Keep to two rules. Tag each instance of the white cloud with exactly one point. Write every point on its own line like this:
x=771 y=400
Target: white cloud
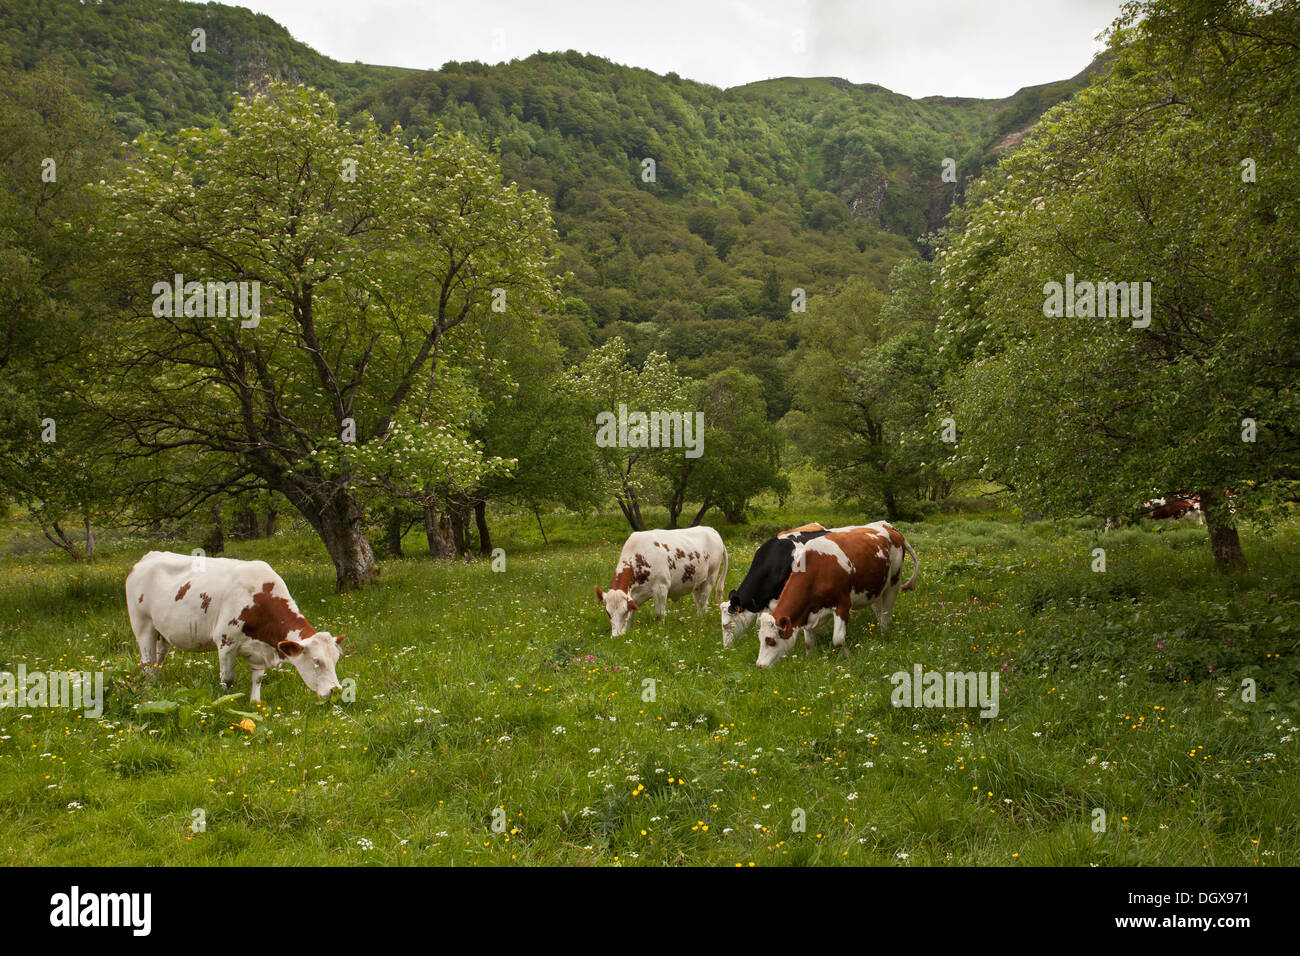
x=918 y=47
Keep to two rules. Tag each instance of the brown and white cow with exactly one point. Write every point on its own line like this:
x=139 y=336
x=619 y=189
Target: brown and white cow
x=241 y=608
x=1179 y=506
x=831 y=575
x=657 y=565
x=1175 y=508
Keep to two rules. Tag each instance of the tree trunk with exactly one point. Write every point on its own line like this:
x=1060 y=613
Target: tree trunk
x=891 y=505
x=394 y=547
x=459 y=519
x=1224 y=543
x=480 y=521
x=216 y=542
x=437 y=531
x=243 y=524
x=337 y=520
x=538 y=515
x=62 y=540
x=704 y=509
x=90 y=539
x=354 y=560
x=631 y=509
x=271 y=515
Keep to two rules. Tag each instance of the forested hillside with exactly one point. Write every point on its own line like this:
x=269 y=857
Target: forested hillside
x=758 y=190
x=462 y=268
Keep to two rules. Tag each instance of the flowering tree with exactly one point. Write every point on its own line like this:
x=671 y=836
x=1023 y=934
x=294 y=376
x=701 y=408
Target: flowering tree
x=363 y=256
x=607 y=379
x=1175 y=174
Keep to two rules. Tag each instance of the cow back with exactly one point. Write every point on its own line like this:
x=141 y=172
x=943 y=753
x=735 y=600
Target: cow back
x=770 y=569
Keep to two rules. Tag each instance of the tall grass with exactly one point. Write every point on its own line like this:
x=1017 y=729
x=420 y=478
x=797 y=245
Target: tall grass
x=478 y=692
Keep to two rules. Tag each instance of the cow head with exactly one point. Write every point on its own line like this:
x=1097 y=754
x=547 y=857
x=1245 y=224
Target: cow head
x=315 y=659
x=775 y=638
x=619 y=607
x=734 y=620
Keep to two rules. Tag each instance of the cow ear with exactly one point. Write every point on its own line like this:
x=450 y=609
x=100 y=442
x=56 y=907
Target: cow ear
x=600 y=595
x=339 y=640
x=289 y=648
x=783 y=623
x=731 y=599
x=631 y=605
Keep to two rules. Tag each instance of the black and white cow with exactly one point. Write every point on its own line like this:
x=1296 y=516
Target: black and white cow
x=831 y=575
x=763 y=582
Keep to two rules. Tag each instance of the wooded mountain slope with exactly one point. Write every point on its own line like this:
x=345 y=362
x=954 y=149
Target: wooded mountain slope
x=759 y=189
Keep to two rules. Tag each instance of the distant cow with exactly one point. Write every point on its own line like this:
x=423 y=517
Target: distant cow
x=662 y=564
x=831 y=575
x=241 y=608
x=1176 y=507
x=763 y=582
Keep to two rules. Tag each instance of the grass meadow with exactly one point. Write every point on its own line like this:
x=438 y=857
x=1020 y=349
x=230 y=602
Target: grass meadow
x=481 y=691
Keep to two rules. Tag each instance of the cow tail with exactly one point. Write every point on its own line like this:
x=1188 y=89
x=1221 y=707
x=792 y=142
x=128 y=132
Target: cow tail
x=916 y=567
x=721 y=587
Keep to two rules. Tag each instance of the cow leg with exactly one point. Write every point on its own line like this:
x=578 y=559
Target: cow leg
x=885 y=609
x=147 y=638
x=228 y=655
x=161 y=647
x=258 y=673
x=884 y=617
x=809 y=641
x=841 y=629
x=661 y=604
x=701 y=600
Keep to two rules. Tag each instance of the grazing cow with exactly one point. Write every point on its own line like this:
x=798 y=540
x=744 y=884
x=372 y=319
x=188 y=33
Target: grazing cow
x=660 y=565
x=241 y=608
x=1178 y=506
x=830 y=575
x=1175 y=507
x=763 y=582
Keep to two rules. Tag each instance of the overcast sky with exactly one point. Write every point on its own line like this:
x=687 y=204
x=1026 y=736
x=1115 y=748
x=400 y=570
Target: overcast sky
x=985 y=48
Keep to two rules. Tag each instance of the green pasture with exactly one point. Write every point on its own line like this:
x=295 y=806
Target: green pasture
x=1120 y=691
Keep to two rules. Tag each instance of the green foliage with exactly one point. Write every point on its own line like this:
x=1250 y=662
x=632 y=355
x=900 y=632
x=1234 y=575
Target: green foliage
x=1143 y=177
x=138 y=56
x=193 y=710
x=51 y=453
x=739 y=458
x=607 y=379
x=759 y=189
x=866 y=375
x=378 y=266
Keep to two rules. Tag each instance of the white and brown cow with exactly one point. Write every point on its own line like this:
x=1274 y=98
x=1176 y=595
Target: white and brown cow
x=831 y=575
x=657 y=565
x=241 y=608
x=1179 y=506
